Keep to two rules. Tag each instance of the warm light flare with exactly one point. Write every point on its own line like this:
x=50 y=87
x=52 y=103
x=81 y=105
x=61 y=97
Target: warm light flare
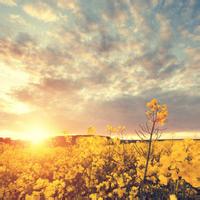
x=37 y=135
x=21 y=108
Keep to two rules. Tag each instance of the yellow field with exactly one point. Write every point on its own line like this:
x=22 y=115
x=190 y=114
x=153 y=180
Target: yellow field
x=98 y=168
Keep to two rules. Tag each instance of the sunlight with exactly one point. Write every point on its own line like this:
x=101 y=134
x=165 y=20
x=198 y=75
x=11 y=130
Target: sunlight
x=20 y=108
x=37 y=135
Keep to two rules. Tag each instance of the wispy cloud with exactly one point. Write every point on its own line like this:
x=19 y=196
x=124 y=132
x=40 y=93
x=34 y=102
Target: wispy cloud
x=41 y=11
x=71 y=5
x=9 y=2
x=17 y=19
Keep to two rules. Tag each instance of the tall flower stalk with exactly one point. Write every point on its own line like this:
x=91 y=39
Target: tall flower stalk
x=156 y=115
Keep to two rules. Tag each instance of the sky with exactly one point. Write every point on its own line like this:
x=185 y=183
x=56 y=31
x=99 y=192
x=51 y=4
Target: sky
x=67 y=65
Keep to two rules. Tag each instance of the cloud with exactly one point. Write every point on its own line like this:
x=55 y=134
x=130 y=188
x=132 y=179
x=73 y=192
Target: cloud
x=17 y=19
x=57 y=100
x=48 y=92
x=22 y=50
x=159 y=64
x=24 y=39
x=8 y=2
x=165 y=29
x=193 y=57
x=54 y=84
x=71 y=5
x=41 y=11
x=104 y=62
x=130 y=110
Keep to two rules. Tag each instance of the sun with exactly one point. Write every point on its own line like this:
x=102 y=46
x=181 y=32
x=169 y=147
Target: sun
x=37 y=135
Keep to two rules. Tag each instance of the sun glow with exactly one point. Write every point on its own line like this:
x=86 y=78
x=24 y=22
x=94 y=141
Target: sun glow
x=21 y=108
x=37 y=135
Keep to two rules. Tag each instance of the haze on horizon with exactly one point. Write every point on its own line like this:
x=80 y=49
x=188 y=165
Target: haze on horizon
x=71 y=64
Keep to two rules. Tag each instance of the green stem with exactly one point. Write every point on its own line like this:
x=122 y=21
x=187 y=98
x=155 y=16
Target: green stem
x=149 y=150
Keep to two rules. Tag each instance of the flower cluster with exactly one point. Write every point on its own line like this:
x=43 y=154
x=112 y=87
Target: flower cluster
x=156 y=112
x=94 y=168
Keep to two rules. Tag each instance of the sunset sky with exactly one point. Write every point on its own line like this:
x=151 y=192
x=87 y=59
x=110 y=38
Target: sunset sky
x=71 y=64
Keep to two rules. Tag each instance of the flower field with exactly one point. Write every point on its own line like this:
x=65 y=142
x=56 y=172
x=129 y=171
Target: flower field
x=100 y=168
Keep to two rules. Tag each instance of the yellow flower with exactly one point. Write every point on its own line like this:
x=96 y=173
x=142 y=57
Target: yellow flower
x=120 y=182
x=93 y=196
x=120 y=192
x=163 y=179
x=156 y=112
x=172 y=197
